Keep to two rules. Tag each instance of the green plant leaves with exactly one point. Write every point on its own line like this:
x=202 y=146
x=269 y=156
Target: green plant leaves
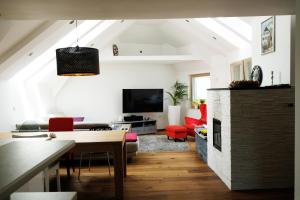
x=178 y=92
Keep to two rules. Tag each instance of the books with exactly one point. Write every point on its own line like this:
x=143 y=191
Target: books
x=201 y=131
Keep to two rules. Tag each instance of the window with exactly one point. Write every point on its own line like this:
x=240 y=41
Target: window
x=199 y=85
x=241 y=70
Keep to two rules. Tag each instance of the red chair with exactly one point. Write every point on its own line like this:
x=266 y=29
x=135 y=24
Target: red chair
x=190 y=122
x=63 y=124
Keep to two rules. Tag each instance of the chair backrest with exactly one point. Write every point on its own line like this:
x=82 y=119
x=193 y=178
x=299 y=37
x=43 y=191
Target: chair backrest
x=203 y=112
x=61 y=124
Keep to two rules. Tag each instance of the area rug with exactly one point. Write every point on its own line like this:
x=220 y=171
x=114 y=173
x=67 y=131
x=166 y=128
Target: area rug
x=159 y=143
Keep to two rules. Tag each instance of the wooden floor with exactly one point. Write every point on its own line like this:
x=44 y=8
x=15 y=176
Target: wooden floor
x=167 y=175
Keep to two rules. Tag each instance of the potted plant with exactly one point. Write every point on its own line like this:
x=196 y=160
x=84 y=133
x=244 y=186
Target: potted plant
x=202 y=101
x=177 y=94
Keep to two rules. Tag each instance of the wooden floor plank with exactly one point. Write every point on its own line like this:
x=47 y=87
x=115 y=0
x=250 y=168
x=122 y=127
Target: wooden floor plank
x=163 y=175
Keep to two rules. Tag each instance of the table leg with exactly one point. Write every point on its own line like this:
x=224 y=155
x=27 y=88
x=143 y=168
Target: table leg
x=46 y=179
x=125 y=159
x=119 y=171
x=68 y=164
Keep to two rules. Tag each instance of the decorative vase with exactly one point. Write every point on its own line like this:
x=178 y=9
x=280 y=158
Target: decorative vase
x=115 y=50
x=174 y=115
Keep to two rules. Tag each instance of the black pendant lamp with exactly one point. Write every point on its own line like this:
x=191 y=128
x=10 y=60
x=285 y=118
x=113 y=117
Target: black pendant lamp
x=77 y=61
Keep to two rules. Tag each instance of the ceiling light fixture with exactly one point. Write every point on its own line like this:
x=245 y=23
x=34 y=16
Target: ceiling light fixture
x=77 y=61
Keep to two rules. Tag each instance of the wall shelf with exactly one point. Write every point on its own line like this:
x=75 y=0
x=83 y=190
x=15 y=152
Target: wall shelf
x=168 y=59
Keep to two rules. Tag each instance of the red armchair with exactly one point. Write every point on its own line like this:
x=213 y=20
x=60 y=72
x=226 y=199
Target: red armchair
x=190 y=122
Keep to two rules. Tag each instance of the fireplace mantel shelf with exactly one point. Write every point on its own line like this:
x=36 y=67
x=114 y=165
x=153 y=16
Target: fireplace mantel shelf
x=260 y=88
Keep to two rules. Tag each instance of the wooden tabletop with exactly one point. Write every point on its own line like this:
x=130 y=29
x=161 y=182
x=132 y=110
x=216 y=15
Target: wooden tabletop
x=22 y=160
x=5 y=136
x=114 y=136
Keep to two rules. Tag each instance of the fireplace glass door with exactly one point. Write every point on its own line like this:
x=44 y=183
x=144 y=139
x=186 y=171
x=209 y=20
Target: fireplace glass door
x=217 y=142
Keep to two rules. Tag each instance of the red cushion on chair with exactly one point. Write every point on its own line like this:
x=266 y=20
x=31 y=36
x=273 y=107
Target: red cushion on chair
x=192 y=121
x=60 y=124
x=131 y=137
x=203 y=111
x=189 y=126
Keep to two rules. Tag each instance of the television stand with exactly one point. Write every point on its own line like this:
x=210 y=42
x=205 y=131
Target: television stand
x=140 y=127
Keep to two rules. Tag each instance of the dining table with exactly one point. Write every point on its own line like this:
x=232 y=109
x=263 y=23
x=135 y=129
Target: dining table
x=94 y=141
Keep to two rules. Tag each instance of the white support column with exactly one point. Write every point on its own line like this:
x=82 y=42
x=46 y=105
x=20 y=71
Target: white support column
x=297 y=119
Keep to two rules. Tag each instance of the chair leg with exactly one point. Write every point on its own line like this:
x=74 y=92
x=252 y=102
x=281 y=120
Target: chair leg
x=90 y=157
x=72 y=162
x=79 y=170
x=108 y=163
x=58 y=180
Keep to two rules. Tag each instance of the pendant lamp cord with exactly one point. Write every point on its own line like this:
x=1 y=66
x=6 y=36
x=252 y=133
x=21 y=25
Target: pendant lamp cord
x=76 y=32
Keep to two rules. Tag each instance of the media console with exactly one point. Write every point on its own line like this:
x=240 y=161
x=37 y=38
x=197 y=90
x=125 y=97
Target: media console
x=140 y=127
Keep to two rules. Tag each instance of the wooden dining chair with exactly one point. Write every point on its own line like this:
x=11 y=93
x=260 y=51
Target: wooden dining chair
x=63 y=124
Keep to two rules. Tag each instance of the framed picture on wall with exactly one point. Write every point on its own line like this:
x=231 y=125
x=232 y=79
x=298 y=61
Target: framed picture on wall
x=268 y=35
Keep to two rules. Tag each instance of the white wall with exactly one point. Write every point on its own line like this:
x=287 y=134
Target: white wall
x=23 y=101
x=220 y=71
x=297 y=132
x=11 y=107
x=99 y=98
x=278 y=61
x=220 y=66
x=183 y=71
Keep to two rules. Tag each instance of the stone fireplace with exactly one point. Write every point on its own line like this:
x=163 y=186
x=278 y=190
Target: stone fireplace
x=250 y=140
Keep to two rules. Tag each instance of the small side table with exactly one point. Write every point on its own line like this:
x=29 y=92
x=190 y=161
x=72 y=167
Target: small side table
x=201 y=144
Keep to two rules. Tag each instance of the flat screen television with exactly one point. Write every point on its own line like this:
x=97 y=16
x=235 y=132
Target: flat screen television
x=142 y=100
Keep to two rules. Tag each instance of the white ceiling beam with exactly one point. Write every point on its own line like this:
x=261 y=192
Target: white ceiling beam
x=224 y=32
x=24 y=41
x=202 y=37
x=112 y=33
x=138 y=9
x=22 y=56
